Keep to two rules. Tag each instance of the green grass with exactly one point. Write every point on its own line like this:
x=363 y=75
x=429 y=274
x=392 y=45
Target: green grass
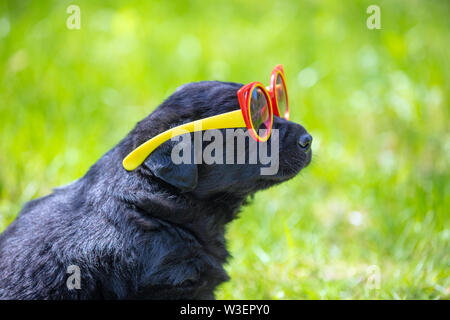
x=375 y=101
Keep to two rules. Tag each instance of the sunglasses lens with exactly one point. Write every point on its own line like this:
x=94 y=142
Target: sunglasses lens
x=260 y=111
x=281 y=95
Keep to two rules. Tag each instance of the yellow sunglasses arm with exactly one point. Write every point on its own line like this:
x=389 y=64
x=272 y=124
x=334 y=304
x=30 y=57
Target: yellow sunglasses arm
x=233 y=119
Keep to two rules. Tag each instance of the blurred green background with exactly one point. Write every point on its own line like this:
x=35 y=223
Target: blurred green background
x=374 y=203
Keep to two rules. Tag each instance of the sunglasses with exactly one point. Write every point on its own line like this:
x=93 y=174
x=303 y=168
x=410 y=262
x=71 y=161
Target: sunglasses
x=258 y=105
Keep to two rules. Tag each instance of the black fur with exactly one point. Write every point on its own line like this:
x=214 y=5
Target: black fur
x=153 y=233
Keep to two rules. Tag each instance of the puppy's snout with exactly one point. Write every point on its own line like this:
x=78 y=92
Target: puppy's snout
x=304 y=141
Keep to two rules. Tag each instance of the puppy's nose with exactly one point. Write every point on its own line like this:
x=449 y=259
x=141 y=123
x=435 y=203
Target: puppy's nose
x=305 y=141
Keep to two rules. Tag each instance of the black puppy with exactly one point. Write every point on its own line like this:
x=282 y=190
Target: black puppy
x=153 y=233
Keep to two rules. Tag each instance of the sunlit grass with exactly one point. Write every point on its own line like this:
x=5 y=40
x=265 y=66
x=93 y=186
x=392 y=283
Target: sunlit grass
x=375 y=101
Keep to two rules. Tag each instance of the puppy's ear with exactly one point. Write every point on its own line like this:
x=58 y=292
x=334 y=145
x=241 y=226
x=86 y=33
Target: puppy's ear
x=183 y=176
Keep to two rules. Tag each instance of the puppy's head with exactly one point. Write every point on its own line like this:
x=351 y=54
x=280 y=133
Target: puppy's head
x=234 y=169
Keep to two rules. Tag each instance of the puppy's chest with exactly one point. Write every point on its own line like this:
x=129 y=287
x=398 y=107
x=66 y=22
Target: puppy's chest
x=202 y=269
x=186 y=269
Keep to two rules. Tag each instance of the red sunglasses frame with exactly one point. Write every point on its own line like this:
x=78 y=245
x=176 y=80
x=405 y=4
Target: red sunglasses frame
x=278 y=70
x=244 y=95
